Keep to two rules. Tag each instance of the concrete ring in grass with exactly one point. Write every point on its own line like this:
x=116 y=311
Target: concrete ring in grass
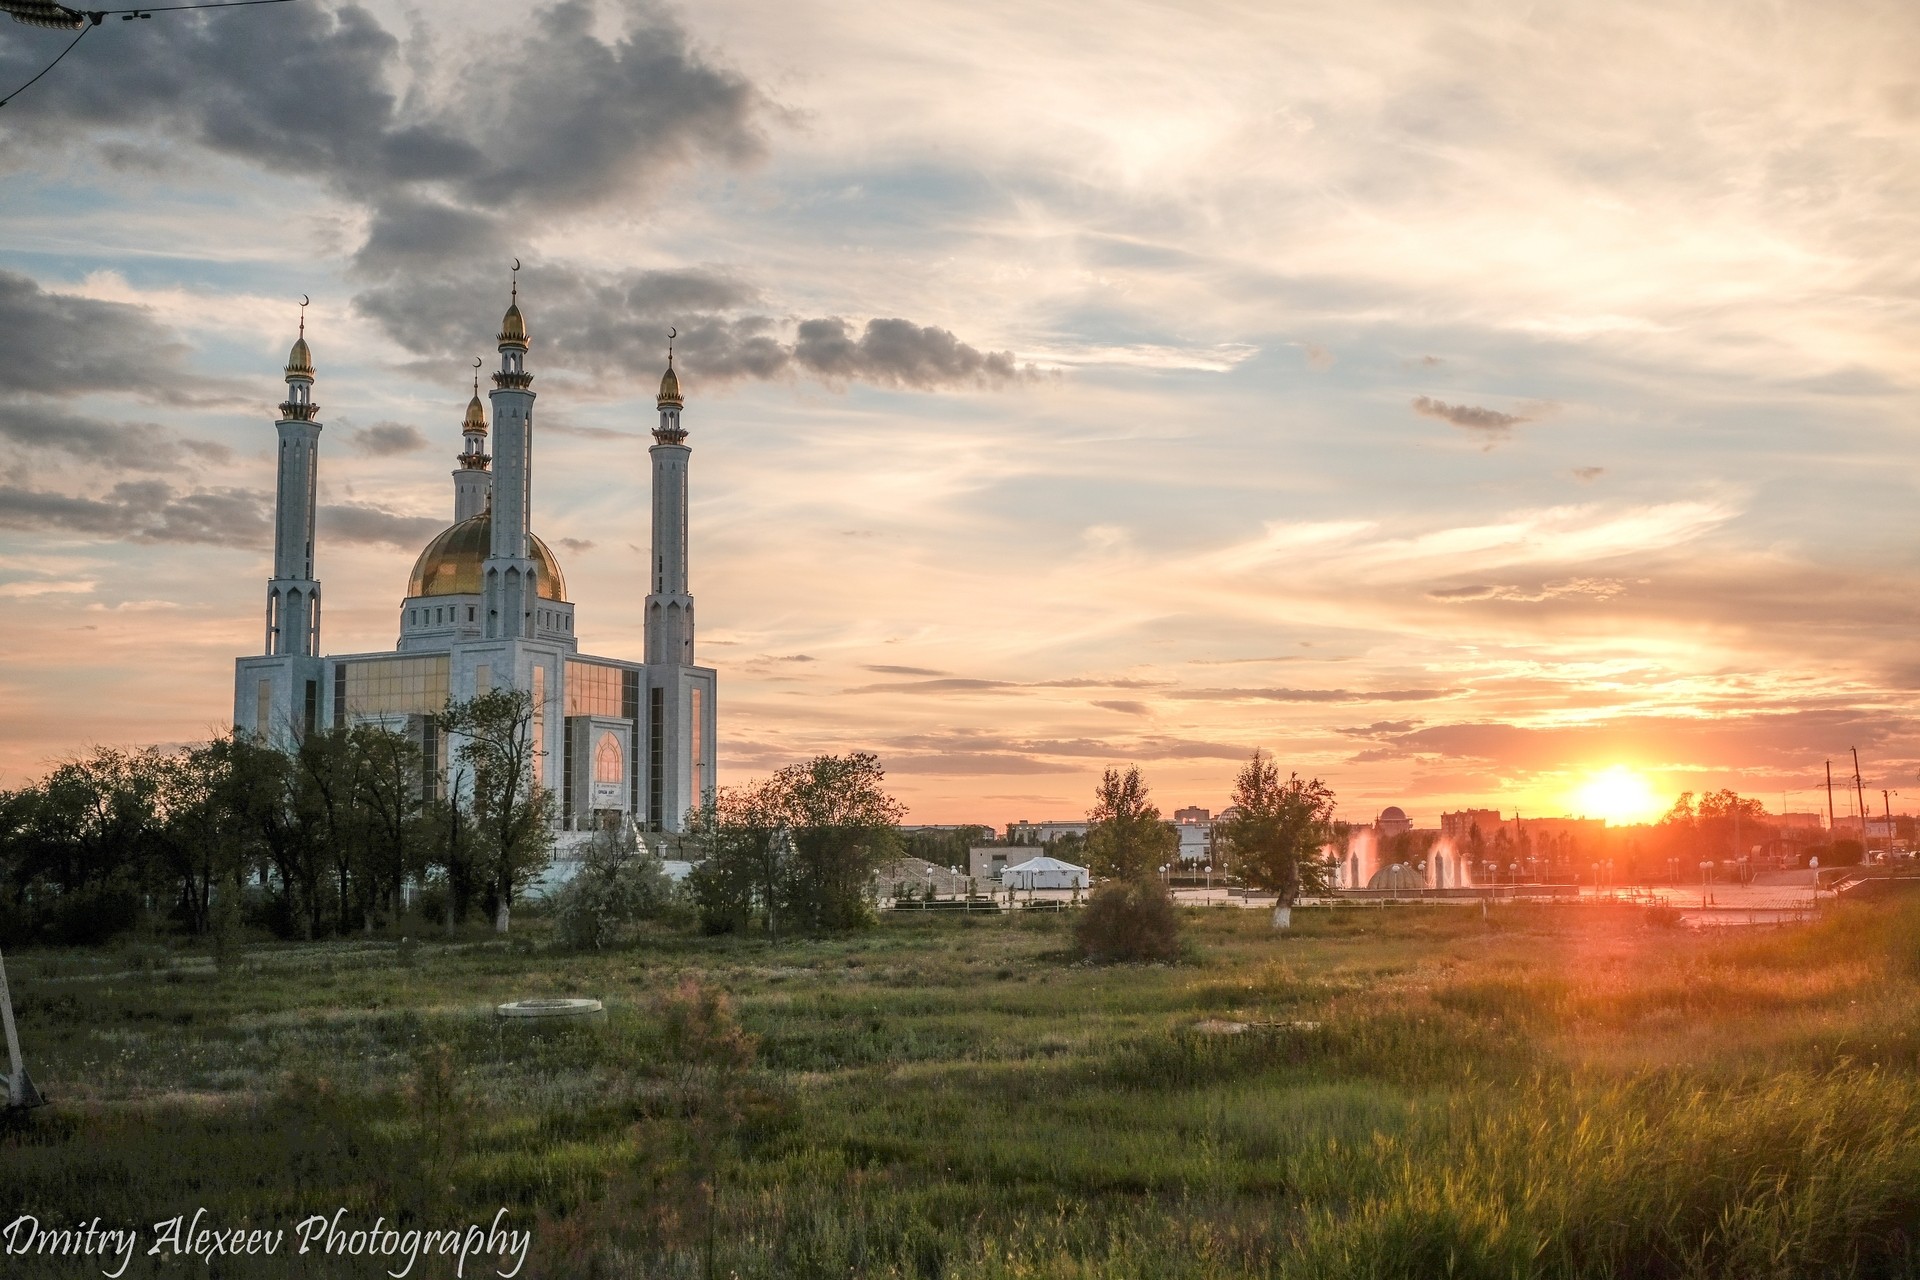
x=553 y=1011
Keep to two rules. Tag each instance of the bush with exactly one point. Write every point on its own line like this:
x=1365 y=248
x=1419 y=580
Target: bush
x=620 y=881
x=1128 y=920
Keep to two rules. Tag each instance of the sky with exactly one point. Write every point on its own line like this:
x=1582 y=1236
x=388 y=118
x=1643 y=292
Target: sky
x=1458 y=402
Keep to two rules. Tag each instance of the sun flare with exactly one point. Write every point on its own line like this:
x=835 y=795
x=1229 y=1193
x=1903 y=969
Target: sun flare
x=1620 y=795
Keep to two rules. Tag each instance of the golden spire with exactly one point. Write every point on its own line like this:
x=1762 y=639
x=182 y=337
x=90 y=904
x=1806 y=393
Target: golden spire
x=513 y=327
x=670 y=381
x=300 y=359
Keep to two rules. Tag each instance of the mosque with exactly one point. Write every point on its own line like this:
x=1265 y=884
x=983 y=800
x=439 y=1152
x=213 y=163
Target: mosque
x=487 y=607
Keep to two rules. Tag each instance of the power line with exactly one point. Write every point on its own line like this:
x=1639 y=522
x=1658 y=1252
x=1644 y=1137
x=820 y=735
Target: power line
x=88 y=19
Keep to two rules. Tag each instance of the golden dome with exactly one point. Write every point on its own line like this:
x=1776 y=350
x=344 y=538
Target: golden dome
x=476 y=422
x=670 y=389
x=513 y=326
x=300 y=360
x=450 y=566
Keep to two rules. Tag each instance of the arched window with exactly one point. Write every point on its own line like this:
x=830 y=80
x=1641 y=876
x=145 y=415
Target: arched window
x=607 y=763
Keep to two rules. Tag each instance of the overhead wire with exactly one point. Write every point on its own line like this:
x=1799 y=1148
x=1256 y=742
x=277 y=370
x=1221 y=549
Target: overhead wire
x=96 y=16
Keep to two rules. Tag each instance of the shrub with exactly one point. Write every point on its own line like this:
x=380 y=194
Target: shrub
x=1128 y=920
x=620 y=881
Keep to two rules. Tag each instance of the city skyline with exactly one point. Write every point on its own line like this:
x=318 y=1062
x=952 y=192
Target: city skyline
x=1467 y=409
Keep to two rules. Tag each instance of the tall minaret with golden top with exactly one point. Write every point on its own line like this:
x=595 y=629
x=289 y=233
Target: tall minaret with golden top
x=509 y=576
x=293 y=596
x=670 y=605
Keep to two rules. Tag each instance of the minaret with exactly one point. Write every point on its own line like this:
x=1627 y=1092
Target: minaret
x=670 y=607
x=293 y=596
x=509 y=573
x=472 y=482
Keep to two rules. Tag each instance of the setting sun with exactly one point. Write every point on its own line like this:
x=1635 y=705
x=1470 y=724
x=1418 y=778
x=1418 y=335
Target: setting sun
x=1619 y=795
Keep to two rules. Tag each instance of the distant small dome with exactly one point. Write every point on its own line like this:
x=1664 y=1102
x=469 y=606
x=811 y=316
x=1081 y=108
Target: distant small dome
x=1393 y=813
x=670 y=389
x=451 y=563
x=513 y=326
x=300 y=360
x=476 y=420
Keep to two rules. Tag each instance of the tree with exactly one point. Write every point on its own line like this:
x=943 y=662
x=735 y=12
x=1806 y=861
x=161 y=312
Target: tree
x=391 y=797
x=798 y=849
x=1126 y=837
x=620 y=881
x=1278 y=836
x=841 y=825
x=512 y=812
x=1130 y=915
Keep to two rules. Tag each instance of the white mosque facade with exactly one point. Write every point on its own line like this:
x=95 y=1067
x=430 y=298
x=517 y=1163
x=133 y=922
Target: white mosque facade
x=487 y=607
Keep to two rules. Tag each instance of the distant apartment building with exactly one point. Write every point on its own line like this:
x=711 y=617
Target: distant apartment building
x=1192 y=814
x=1024 y=832
x=1460 y=826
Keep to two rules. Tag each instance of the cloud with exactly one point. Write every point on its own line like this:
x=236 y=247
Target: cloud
x=1308 y=695
x=554 y=118
x=896 y=353
x=142 y=511
x=1593 y=588
x=578 y=545
x=124 y=446
x=903 y=671
x=375 y=526
x=63 y=345
x=385 y=439
x=1126 y=708
x=938 y=686
x=1492 y=425
x=1587 y=475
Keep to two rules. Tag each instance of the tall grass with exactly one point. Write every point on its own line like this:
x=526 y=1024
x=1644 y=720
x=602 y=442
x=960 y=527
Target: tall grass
x=1403 y=1091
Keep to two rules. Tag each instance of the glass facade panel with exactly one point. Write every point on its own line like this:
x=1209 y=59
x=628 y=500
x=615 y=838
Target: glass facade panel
x=386 y=686
x=263 y=708
x=593 y=690
x=699 y=752
x=539 y=724
x=608 y=762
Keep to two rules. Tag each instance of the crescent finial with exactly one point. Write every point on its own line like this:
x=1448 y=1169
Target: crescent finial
x=305 y=301
x=478 y=362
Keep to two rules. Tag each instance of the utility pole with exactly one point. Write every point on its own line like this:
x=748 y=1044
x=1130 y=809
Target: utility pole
x=1886 y=807
x=1860 y=798
x=1829 y=800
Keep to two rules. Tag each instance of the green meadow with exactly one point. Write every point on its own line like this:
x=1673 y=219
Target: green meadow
x=1385 y=1091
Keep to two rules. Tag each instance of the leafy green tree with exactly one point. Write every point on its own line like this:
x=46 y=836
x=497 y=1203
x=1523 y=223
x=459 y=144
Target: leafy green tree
x=1278 y=836
x=391 y=796
x=512 y=812
x=1126 y=837
x=798 y=849
x=1130 y=915
x=620 y=880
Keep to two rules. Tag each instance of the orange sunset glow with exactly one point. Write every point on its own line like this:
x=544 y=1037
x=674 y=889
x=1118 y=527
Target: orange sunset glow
x=1524 y=399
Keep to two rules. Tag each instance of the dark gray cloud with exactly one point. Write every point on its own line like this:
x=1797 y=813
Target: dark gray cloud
x=121 y=446
x=375 y=526
x=884 y=670
x=896 y=353
x=955 y=684
x=553 y=121
x=1126 y=708
x=142 y=511
x=1308 y=695
x=64 y=345
x=578 y=545
x=1587 y=475
x=156 y=511
x=385 y=439
x=1491 y=424
x=615 y=328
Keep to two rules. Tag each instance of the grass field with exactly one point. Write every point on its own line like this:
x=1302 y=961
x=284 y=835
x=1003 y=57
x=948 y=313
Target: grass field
x=1410 y=1091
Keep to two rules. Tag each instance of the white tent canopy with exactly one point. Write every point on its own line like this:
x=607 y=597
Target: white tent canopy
x=1044 y=873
